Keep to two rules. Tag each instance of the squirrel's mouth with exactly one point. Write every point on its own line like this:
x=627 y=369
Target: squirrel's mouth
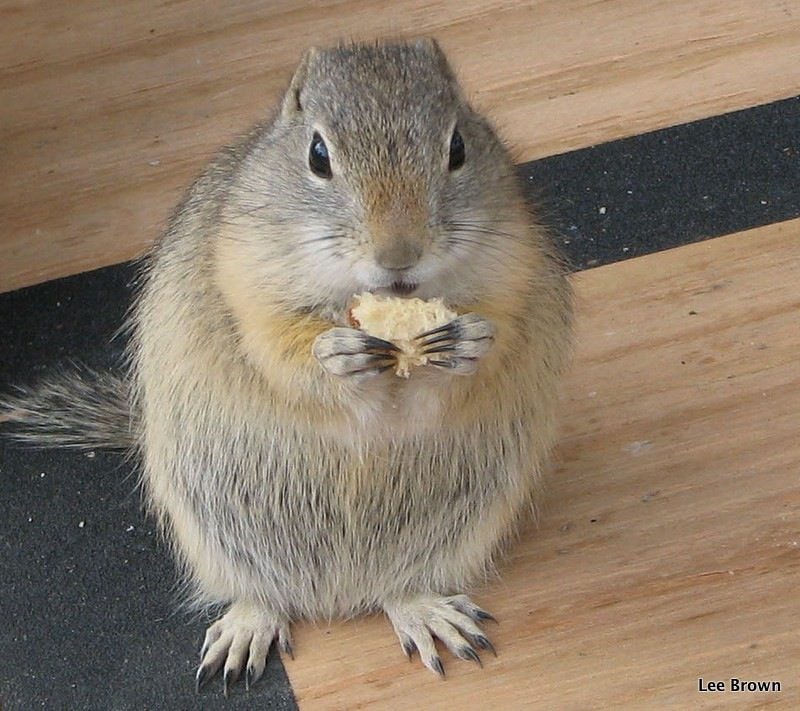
x=402 y=288
x=397 y=288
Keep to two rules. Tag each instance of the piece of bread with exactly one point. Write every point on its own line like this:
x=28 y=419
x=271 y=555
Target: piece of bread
x=399 y=321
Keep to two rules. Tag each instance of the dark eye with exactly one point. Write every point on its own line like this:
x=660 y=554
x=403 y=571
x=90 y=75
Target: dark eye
x=456 y=151
x=318 y=159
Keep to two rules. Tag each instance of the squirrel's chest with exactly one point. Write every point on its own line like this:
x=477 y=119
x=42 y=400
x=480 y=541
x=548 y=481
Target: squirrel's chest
x=401 y=408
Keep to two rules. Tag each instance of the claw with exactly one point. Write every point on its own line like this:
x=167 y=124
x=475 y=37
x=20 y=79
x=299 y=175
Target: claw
x=203 y=675
x=483 y=616
x=228 y=680
x=378 y=344
x=468 y=653
x=285 y=646
x=437 y=666
x=442 y=363
x=252 y=675
x=439 y=329
x=482 y=642
x=440 y=349
x=425 y=341
x=208 y=640
x=409 y=648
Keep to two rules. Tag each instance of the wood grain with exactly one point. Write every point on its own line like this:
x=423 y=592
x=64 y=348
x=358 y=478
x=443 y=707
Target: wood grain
x=109 y=110
x=669 y=549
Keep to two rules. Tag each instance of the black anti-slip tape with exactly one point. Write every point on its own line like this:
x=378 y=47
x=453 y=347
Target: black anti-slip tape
x=86 y=590
x=671 y=187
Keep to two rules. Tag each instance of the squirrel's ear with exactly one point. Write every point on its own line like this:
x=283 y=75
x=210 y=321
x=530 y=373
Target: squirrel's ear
x=432 y=47
x=428 y=44
x=292 y=103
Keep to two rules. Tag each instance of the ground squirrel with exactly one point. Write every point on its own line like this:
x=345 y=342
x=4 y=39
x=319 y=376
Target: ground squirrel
x=295 y=475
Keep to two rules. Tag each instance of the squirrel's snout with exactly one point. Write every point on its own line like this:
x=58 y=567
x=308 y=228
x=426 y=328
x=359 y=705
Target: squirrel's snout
x=398 y=254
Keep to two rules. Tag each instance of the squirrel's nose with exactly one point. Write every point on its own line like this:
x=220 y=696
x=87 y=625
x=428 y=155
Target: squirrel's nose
x=398 y=254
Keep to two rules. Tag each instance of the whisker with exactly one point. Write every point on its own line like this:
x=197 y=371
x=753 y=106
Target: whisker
x=486 y=229
x=252 y=210
x=485 y=246
x=467 y=234
x=322 y=238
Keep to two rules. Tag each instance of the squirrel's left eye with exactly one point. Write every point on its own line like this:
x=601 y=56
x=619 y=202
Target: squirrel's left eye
x=457 y=151
x=318 y=159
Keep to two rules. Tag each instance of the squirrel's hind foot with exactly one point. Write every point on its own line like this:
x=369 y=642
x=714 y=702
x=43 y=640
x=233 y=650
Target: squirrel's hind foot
x=241 y=638
x=420 y=620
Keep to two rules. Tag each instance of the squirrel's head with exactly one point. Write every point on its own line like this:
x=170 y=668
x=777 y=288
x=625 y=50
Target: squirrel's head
x=377 y=175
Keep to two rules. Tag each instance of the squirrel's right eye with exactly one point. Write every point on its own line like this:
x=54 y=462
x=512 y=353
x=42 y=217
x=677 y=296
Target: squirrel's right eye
x=457 y=151
x=318 y=159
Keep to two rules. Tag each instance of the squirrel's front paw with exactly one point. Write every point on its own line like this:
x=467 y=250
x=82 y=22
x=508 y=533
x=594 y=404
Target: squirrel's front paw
x=353 y=353
x=457 y=346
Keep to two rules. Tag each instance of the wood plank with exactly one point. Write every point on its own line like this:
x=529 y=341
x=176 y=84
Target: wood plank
x=107 y=116
x=669 y=549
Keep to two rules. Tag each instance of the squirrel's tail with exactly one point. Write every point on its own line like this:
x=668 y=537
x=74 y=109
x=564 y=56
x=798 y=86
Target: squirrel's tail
x=78 y=408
